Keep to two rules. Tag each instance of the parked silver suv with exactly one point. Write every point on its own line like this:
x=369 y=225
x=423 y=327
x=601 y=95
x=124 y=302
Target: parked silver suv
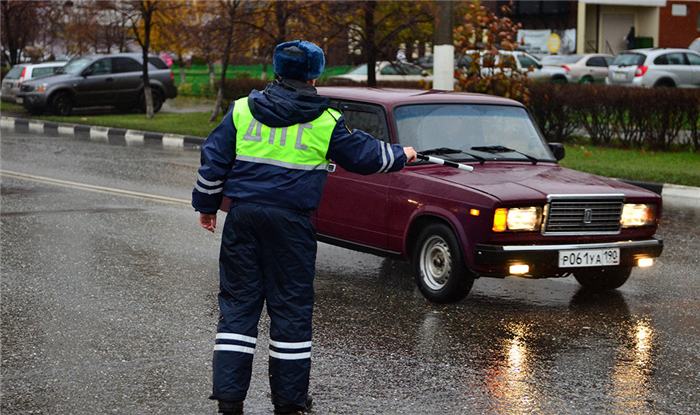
x=99 y=80
x=656 y=67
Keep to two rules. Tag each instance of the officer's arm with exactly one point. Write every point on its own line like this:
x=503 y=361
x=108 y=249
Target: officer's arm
x=217 y=158
x=359 y=152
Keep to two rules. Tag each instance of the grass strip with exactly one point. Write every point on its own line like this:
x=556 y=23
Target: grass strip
x=681 y=168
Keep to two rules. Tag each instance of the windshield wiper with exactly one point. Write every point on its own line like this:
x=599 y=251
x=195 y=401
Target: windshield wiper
x=504 y=149
x=447 y=150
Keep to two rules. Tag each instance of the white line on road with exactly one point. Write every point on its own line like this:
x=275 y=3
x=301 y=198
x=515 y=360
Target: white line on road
x=93 y=188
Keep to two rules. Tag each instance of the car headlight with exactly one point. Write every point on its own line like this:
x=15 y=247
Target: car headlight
x=41 y=87
x=517 y=219
x=634 y=215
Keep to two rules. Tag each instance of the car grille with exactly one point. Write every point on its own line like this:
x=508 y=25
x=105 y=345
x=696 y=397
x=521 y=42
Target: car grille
x=583 y=215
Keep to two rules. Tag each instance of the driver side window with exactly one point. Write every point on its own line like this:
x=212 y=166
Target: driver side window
x=101 y=67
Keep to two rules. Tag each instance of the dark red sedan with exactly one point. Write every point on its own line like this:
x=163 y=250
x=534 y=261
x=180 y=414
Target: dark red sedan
x=517 y=213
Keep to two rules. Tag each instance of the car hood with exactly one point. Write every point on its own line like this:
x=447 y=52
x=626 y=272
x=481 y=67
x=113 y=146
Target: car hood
x=520 y=182
x=49 y=79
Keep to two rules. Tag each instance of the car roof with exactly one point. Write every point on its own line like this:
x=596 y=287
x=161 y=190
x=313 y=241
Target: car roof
x=390 y=97
x=651 y=51
x=42 y=64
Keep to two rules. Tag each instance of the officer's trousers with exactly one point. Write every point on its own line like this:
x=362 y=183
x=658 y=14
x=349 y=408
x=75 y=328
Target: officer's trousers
x=268 y=254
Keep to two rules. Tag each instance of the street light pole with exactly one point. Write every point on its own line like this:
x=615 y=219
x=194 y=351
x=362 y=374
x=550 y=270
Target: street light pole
x=444 y=49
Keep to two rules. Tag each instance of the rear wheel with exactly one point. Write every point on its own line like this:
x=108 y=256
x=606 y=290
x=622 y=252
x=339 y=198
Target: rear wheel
x=157 y=101
x=587 y=80
x=603 y=279
x=439 y=267
x=61 y=104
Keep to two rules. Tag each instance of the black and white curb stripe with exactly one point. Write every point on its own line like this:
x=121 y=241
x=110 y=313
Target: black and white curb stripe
x=105 y=134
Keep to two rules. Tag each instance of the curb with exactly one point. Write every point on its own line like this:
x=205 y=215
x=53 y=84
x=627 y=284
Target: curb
x=132 y=137
x=95 y=133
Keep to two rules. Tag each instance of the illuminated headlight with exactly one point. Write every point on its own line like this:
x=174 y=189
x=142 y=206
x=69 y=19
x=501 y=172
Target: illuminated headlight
x=517 y=219
x=634 y=215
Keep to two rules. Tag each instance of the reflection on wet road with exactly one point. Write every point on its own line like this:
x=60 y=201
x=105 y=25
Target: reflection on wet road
x=108 y=306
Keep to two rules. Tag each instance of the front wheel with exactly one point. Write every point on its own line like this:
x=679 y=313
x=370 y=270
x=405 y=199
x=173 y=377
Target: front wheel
x=61 y=104
x=439 y=267
x=603 y=279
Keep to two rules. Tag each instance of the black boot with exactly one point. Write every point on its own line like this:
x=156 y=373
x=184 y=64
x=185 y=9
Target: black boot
x=295 y=409
x=231 y=407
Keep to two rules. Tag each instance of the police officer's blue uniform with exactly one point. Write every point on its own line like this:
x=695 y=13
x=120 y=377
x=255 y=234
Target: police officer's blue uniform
x=270 y=156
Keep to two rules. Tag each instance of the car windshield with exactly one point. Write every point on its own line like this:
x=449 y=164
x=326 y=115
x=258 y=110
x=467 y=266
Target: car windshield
x=629 y=59
x=462 y=126
x=360 y=70
x=76 y=65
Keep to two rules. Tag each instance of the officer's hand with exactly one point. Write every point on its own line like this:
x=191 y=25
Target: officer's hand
x=410 y=154
x=207 y=221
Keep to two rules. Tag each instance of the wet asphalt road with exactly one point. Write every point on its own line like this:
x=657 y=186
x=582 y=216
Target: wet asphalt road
x=109 y=306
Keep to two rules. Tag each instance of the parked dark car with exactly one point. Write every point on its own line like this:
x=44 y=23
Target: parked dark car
x=517 y=213
x=99 y=80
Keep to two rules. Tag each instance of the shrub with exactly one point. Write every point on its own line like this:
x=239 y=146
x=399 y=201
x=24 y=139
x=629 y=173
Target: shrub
x=550 y=104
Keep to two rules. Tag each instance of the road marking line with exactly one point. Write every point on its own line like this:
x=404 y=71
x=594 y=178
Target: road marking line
x=94 y=188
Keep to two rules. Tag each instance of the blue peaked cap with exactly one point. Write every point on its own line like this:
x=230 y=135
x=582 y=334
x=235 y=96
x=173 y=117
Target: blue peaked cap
x=298 y=59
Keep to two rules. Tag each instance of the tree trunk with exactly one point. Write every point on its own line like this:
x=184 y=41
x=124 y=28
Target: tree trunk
x=224 y=67
x=370 y=42
x=182 y=67
x=212 y=77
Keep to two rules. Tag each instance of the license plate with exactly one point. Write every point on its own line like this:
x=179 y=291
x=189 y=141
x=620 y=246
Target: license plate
x=19 y=100
x=619 y=76
x=589 y=258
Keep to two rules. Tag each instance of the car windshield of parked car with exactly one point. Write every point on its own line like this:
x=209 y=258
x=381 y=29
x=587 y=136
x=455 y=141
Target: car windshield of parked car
x=76 y=65
x=463 y=126
x=359 y=70
x=629 y=59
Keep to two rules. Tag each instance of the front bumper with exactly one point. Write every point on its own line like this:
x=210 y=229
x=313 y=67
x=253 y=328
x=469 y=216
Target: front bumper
x=31 y=100
x=543 y=260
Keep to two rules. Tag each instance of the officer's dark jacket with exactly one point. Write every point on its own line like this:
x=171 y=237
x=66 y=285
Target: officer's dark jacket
x=283 y=104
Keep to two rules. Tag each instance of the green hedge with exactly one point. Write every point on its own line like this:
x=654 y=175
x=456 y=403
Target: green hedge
x=652 y=118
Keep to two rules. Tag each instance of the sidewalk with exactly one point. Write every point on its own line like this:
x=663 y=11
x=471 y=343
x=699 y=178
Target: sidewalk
x=122 y=136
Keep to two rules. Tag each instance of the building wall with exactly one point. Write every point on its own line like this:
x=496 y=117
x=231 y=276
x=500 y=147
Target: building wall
x=679 y=31
x=605 y=25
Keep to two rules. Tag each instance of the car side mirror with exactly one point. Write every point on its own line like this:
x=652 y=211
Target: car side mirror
x=557 y=150
x=425 y=73
x=87 y=72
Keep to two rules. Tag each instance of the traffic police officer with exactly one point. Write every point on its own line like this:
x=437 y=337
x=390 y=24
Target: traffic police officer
x=270 y=155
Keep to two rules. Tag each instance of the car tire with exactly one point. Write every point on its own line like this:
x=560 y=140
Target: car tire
x=157 y=101
x=665 y=83
x=603 y=279
x=61 y=104
x=438 y=264
x=587 y=80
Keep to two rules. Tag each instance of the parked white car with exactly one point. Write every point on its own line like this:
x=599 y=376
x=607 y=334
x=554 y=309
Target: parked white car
x=585 y=68
x=24 y=72
x=387 y=71
x=523 y=61
x=662 y=67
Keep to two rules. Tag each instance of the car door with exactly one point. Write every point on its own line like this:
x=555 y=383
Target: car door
x=361 y=217
x=694 y=61
x=597 y=67
x=677 y=64
x=95 y=84
x=128 y=79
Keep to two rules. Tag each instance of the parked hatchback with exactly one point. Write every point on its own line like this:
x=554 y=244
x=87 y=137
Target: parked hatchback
x=386 y=71
x=99 y=80
x=517 y=213
x=585 y=68
x=518 y=61
x=24 y=72
x=656 y=67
